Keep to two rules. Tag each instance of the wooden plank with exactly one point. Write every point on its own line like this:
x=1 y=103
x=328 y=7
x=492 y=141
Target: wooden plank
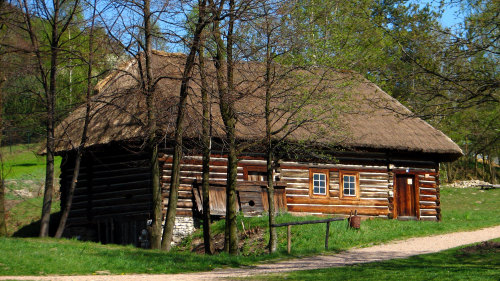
x=428 y=212
x=428 y=197
x=374 y=194
x=338 y=210
x=373 y=182
x=295 y=173
x=166 y=187
x=307 y=222
x=434 y=207
x=428 y=191
x=334 y=193
x=180 y=204
x=180 y=213
x=97 y=202
x=199 y=168
x=336 y=201
x=301 y=191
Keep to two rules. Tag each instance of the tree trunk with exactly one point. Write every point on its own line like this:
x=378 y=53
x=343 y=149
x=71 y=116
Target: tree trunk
x=3 y=213
x=483 y=176
x=207 y=236
x=231 y=239
x=270 y=185
x=50 y=106
x=492 y=169
x=475 y=165
x=80 y=150
x=270 y=175
x=449 y=177
x=179 y=132
x=229 y=118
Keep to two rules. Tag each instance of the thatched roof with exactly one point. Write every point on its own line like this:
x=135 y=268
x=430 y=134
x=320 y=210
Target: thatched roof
x=341 y=109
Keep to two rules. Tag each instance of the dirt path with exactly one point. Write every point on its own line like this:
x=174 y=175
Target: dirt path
x=392 y=250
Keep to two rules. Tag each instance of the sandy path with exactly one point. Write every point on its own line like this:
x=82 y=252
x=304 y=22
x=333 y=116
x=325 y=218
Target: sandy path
x=392 y=250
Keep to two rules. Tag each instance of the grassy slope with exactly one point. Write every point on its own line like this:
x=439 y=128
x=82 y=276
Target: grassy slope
x=463 y=209
x=453 y=264
x=35 y=256
x=23 y=218
x=21 y=162
x=24 y=169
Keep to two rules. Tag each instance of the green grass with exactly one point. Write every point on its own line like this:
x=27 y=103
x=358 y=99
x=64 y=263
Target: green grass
x=463 y=209
x=21 y=162
x=23 y=218
x=454 y=264
x=34 y=256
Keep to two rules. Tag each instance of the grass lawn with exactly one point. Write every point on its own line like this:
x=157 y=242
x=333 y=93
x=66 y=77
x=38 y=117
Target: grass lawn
x=463 y=209
x=23 y=218
x=36 y=256
x=480 y=262
x=21 y=162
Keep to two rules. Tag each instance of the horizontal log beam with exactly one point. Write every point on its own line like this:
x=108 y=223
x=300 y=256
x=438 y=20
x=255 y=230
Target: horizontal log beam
x=371 y=211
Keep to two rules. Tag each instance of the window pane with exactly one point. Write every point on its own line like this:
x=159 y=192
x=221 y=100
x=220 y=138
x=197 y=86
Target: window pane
x=349 y=185
x=319 y=183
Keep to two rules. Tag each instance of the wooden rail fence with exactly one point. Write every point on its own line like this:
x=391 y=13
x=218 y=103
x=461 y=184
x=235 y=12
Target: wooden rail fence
x=289 y=229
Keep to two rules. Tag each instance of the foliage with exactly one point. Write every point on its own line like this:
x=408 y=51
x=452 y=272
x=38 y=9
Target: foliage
x=24 y=104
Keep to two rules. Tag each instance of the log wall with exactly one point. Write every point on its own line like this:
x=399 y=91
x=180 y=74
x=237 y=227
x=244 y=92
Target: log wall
x=112 y=197
x=252 y=197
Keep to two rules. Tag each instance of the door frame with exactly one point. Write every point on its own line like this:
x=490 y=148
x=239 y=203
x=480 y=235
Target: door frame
x=416 y=193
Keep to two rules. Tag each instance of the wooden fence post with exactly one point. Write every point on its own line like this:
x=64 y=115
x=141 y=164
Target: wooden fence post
x=289 y=238
x=327 y=235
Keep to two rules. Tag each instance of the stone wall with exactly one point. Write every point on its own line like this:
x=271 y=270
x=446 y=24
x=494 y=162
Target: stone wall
x=184 y=226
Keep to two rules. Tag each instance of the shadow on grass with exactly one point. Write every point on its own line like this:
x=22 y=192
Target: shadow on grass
x=33 y=229
x=24 y=165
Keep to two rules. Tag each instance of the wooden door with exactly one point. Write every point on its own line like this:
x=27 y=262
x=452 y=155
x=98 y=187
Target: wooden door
x=406 y=200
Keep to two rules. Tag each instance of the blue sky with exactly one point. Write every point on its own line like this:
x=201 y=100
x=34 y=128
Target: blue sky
x=450 y=17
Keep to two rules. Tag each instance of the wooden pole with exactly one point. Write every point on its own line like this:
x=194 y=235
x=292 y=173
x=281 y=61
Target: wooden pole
x=327 y=235
x=289 y=239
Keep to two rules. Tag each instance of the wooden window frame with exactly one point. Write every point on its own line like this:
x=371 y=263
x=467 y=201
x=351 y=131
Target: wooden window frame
x=252 y=168
x=341 y=185
x=311 y=183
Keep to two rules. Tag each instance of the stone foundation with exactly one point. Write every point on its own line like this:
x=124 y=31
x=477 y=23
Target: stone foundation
x=184 y=226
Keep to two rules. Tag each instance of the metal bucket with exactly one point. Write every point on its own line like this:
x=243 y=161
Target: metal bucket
x=355 y=222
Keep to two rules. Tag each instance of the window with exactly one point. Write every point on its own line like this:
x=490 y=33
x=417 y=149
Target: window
x=318 y=181
x=319 y=184
x=349 y=185
x=255 y=173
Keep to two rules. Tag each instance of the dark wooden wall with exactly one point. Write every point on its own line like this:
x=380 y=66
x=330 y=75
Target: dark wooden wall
x=112 y=197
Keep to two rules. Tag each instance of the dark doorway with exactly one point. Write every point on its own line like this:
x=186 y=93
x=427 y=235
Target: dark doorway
x=406 y=201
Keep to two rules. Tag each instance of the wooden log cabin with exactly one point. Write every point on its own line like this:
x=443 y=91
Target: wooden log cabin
x=375 y=158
